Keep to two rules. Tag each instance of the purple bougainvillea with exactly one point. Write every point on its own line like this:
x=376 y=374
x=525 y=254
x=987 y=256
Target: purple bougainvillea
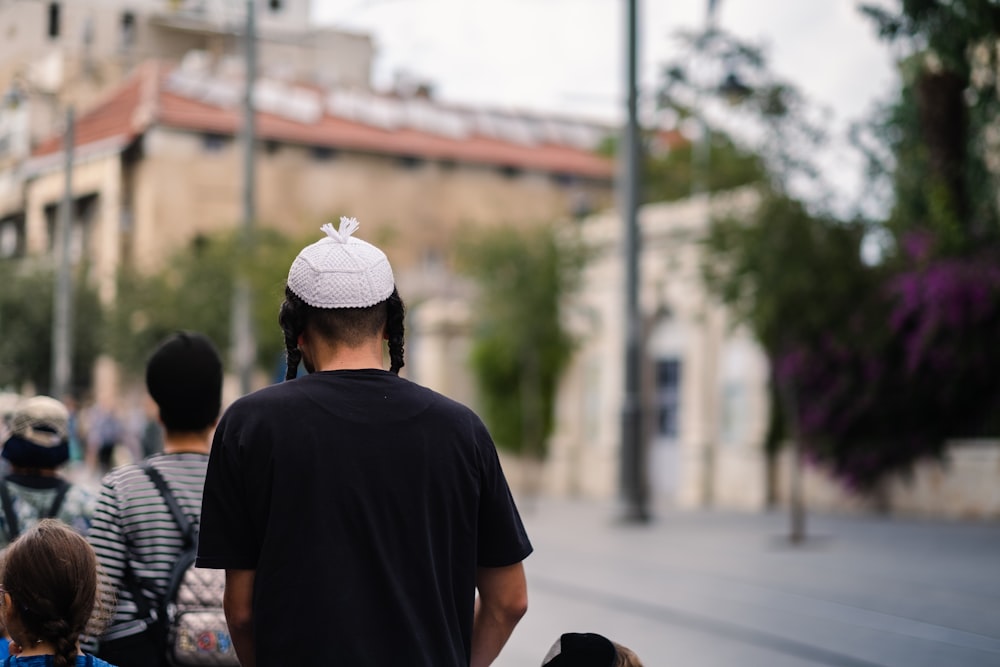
x=917 y=363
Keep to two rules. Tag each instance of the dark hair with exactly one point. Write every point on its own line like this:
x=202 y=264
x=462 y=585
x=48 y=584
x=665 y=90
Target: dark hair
x=50 y=573
x=184 y=377
x=350 y=326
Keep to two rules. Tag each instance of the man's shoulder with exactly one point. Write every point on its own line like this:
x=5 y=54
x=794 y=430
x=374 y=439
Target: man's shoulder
x=265 y=396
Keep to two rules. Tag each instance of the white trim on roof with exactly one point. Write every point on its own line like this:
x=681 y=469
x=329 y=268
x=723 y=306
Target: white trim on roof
x=95 y=150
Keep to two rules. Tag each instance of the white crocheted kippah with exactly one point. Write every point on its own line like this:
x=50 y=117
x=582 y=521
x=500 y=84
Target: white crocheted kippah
x=340 y=271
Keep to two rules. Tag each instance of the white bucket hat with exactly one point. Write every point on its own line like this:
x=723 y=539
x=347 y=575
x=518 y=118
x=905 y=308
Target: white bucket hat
x=340 y=271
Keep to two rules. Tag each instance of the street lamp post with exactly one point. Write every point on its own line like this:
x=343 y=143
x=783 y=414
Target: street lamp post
x=244 y=340
x=62 y=308
x=633 y=483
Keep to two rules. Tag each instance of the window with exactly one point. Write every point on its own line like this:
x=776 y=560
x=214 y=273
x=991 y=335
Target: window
x=11 y=237
x=668 y=394
x=54 y=15
x=323 y=153
x=213 y=143
x=410 y=162
x=564 y=180
x=83 y=211
x=510 y=172
x=128 y=30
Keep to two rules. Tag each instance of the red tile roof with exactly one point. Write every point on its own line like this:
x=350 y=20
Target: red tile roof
x=122 y=116
x=111 y=119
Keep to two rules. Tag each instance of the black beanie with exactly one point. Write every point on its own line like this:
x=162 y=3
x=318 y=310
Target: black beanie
x=184 y=377
x=581 y=649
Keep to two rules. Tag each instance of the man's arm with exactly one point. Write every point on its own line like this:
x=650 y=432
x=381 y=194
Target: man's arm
x=238 y=605
x=502 y=601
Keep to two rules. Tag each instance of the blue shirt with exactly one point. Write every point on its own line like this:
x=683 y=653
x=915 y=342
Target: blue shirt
x=46 y=661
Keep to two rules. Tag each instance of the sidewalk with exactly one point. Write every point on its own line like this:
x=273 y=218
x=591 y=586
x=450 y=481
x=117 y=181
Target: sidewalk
x=707 y=589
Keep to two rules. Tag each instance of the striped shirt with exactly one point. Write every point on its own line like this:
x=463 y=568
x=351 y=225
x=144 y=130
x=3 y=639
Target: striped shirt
x=133 y=524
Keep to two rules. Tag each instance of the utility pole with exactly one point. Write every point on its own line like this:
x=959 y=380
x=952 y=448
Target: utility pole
x=701 y=188
x=633 y=481
x=62 y=308
x=244 y=340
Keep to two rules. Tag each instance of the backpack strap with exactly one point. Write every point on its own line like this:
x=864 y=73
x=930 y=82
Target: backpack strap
x=187 y=527
x=131 y=581
x=57 y=502
x=13 y=525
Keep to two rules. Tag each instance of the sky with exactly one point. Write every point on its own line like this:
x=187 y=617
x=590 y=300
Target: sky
x=567 y=56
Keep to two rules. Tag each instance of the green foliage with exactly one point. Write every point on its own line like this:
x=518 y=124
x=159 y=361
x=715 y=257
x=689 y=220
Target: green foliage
x=669 y=175
x=940 y=131
x=791 y=276
x=794 y=278
x=26 y=315
x=879 y=365
x=195 y=292
x=674 y=175
x=520 y=344
x=946 y=29
x=719 y=78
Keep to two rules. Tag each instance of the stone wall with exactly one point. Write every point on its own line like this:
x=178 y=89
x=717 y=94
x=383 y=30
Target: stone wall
x=966 y=485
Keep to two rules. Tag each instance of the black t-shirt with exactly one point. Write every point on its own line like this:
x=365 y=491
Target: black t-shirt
x=365 y=503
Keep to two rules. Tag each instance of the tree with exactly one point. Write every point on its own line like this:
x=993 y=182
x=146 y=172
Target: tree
x=194 y=292
x=799 y=282
x=520 y=342
x=889 y=361
x=669 y=172
x=724 y=84
x=26 y=314
x=941 y=132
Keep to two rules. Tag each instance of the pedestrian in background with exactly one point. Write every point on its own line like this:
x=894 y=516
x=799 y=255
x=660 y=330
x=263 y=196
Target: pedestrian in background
x=37 y=446
x=134 y=534
x=104 y=433
x=355 y=512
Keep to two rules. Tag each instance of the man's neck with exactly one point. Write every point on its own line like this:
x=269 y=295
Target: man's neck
x=181 y=443
x=350 y=358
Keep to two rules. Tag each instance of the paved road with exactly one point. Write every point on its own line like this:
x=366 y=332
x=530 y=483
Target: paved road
x=711 y=589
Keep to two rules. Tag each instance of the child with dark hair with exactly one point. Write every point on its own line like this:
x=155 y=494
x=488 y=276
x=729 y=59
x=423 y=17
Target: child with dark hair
x=48 y=588
x=133 y=530
x=588 y=649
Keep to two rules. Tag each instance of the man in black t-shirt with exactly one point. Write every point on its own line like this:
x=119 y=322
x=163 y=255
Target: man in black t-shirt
x=357 y=514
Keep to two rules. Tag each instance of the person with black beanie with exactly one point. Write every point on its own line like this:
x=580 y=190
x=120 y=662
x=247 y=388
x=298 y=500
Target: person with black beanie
x=133 y=530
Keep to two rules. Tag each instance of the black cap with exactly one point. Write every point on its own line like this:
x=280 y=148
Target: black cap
x=184 y=377
x=581 y=649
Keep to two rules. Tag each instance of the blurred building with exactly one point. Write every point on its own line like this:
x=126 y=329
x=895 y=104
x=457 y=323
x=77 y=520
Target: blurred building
x=55 y=53
x=705 y=386
x=705 y=382
x=157 y=164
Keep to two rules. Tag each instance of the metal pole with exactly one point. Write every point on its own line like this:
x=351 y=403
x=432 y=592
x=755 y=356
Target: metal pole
x=633 y=483
x=796 y=500
x=62 y=313
x=243 y=335
x=701 y=188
